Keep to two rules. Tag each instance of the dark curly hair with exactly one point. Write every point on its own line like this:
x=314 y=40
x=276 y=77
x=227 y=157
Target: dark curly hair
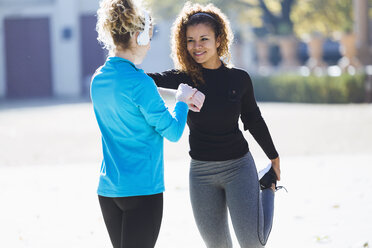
x=212 y=17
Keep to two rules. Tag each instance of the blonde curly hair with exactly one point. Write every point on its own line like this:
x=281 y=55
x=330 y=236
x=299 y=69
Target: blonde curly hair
x=118 y=21
x=215 y=19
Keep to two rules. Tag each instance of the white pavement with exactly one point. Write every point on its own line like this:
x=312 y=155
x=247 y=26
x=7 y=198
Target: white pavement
x=50 y=161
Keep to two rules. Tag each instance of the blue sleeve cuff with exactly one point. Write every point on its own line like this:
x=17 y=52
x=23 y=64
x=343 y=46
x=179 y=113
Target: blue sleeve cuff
x=182 y=106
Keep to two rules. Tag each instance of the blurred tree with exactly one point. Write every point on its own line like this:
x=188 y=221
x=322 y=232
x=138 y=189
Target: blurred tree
x=168 y=9
x=272 y=16
x=278 y=17
x=324 y=16
x=277 y=20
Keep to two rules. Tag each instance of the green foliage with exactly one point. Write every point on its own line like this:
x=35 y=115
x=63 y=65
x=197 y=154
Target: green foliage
x=168 y=9
x=311 y=89
x=274 y=15
x=324 y=16
x=306 y=16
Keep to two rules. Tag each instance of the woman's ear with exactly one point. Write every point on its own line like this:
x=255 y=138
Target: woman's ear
x=218 y=41
x=135 y=37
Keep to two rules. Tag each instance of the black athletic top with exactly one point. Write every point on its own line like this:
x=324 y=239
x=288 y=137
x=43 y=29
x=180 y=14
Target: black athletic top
x=214 y=131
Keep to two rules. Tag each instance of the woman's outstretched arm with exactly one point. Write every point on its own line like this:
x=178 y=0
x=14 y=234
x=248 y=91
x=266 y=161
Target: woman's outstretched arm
x=170 y=79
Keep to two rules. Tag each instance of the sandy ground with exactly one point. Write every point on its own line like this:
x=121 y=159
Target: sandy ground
x=50 y=158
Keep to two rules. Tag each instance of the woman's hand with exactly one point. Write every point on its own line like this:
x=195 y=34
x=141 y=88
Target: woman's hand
x=191 y=96
x=185 y=93
x=196 y=101
x=275 y=163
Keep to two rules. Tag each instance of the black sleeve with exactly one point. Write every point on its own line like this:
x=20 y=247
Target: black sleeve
x=253 y=121
x=168 y=79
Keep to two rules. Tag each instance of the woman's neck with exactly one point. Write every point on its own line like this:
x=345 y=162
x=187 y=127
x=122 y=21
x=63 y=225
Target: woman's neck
x=215 y=64
x=125 y=54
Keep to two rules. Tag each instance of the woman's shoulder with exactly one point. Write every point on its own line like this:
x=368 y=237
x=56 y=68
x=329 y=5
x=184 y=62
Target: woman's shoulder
x=143 y=79
x=239 y=72
x=131 y=80
x=240 y=75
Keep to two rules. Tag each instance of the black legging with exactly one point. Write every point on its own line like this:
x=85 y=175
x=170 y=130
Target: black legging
x=133 y=222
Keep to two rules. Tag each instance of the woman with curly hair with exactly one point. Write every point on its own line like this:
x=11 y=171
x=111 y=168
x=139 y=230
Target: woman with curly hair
x=223 y=174
x=133 y=120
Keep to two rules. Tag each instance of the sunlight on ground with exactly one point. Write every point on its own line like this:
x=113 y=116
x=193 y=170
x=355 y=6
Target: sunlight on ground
x=51 y=157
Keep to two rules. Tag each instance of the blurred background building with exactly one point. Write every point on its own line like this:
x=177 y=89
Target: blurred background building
x=48 y=48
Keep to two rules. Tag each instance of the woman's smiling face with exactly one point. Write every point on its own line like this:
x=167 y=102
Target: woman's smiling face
x=202 y=45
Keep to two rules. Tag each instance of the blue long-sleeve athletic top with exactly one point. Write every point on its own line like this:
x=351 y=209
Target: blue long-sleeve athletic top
x=133 y=120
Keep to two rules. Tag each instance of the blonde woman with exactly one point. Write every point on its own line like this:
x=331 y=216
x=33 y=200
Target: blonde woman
x=133 y=120
x=222 y=173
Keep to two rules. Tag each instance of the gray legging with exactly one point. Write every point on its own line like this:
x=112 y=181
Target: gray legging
x=233 y=184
